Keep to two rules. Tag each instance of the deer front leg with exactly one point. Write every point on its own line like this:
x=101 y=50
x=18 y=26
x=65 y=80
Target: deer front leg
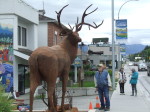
x=64 y=84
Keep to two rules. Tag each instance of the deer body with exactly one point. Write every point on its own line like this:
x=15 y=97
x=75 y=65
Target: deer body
x=48 y=63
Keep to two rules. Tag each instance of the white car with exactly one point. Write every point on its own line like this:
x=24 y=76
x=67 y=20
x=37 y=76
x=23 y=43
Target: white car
x=142 y=66
x=130 y=63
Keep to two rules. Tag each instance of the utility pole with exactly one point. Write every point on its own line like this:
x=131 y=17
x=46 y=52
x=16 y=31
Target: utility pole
x=113 y=47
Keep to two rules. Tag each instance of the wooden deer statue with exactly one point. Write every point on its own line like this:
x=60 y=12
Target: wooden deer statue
x=48 y=63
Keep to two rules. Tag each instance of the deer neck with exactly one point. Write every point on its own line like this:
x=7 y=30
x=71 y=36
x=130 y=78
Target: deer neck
x=70 y=47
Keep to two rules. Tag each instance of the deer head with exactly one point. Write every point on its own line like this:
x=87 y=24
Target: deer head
x=78 y=26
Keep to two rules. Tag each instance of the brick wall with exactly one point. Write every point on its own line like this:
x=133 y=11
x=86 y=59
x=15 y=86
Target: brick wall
x=52 y=28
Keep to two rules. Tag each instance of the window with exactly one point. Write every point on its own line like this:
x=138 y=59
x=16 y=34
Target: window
x=55 y=38
x=19 y=35
x=22 y=36
x=110 y=48
x=24 y=43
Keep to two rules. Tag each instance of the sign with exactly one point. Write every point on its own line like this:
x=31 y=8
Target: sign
x=121 y=29
x=122 y=48
x=77 y=62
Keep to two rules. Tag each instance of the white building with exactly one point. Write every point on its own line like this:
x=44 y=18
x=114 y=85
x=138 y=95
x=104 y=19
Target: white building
x=18 y=37
x=102 y=53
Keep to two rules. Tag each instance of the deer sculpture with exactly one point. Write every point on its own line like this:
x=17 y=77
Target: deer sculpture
x=48 y=63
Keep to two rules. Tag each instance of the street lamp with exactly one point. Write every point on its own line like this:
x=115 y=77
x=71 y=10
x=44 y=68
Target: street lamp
x=124 y=4
x=113 y=46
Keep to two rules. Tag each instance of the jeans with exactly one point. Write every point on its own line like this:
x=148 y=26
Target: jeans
x=104 y=93
x=121 y=87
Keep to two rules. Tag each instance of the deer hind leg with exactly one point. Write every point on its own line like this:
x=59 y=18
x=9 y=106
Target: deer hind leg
x=50 y=91
x=64 y=84
x=33 y=86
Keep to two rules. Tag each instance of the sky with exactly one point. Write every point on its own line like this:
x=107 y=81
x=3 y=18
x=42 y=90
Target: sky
x=136 y=13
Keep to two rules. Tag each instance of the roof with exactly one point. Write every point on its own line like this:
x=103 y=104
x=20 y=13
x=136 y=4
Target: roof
x=25 y=51
x=45 y=18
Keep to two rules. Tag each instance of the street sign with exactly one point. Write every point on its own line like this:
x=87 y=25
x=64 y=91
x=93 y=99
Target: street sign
x=77 y=62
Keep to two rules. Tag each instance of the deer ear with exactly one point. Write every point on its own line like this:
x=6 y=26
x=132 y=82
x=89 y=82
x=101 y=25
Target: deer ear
x=65 y=32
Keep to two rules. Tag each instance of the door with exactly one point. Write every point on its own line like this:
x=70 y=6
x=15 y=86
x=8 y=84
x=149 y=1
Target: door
x=21 y=79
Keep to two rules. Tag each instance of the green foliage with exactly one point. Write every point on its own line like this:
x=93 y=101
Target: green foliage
x=86 y=67
x=86 y=84
x=89 y=73
x=145 y=54
x=71 y=73
x=40 y=96
x=6 y=105
x=110 y=72
x=89 y=84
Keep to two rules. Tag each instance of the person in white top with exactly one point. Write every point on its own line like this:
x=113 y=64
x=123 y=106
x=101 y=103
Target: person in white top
x=122 y=80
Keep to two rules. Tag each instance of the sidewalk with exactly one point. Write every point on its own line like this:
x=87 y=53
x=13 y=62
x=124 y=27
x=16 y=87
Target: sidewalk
x=127 y=103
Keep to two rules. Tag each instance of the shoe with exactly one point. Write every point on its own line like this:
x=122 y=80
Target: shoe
x=131 y=95
x=102 y=108
x=107 y=109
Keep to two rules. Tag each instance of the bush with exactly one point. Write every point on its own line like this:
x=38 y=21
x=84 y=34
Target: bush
x=86 y=67
x=110 y=72
x=6 y=105
x=89 y=73
x=71 y=73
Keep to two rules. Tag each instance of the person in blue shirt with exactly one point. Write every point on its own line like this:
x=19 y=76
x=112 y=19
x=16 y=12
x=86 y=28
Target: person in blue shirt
x=133 y=81
x=102 y=84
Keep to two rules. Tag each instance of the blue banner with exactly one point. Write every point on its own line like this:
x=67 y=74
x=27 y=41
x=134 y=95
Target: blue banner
x=121 y=29
x=122 y=48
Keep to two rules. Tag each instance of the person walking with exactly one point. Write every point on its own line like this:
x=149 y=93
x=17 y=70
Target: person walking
x=122 y=80
x=102 y=84
x=133 y=81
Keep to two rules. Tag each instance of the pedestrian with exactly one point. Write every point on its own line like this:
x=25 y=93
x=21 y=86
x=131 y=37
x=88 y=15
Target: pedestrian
x=102 y=84
x=122 y=80
x=133 y=81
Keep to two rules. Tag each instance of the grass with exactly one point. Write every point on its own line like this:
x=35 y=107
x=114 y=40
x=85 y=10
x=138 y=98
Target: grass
x=85 y=84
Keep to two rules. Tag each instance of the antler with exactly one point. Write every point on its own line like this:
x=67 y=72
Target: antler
x=59 y=14
x=79 y=26
x=65 y=31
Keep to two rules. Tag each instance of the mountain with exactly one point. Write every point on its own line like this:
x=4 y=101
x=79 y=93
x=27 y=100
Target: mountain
x=134 y=48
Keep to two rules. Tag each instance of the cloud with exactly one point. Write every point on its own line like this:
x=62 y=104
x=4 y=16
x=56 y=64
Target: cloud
x=136 y=12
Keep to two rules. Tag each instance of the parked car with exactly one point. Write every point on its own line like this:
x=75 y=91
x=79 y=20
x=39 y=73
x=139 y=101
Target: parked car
x=142 y=66
x=148 y=69
x=136 y=63
x=130 y=63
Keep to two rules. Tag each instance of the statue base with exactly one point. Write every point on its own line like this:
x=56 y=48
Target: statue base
x=67 y=108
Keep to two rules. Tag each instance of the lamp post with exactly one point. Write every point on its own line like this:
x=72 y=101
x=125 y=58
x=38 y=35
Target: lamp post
x=123 y=5
x=113 y=46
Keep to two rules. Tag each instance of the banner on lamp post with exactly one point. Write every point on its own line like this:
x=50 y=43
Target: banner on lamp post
x=121 y=29
x=122 y=48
